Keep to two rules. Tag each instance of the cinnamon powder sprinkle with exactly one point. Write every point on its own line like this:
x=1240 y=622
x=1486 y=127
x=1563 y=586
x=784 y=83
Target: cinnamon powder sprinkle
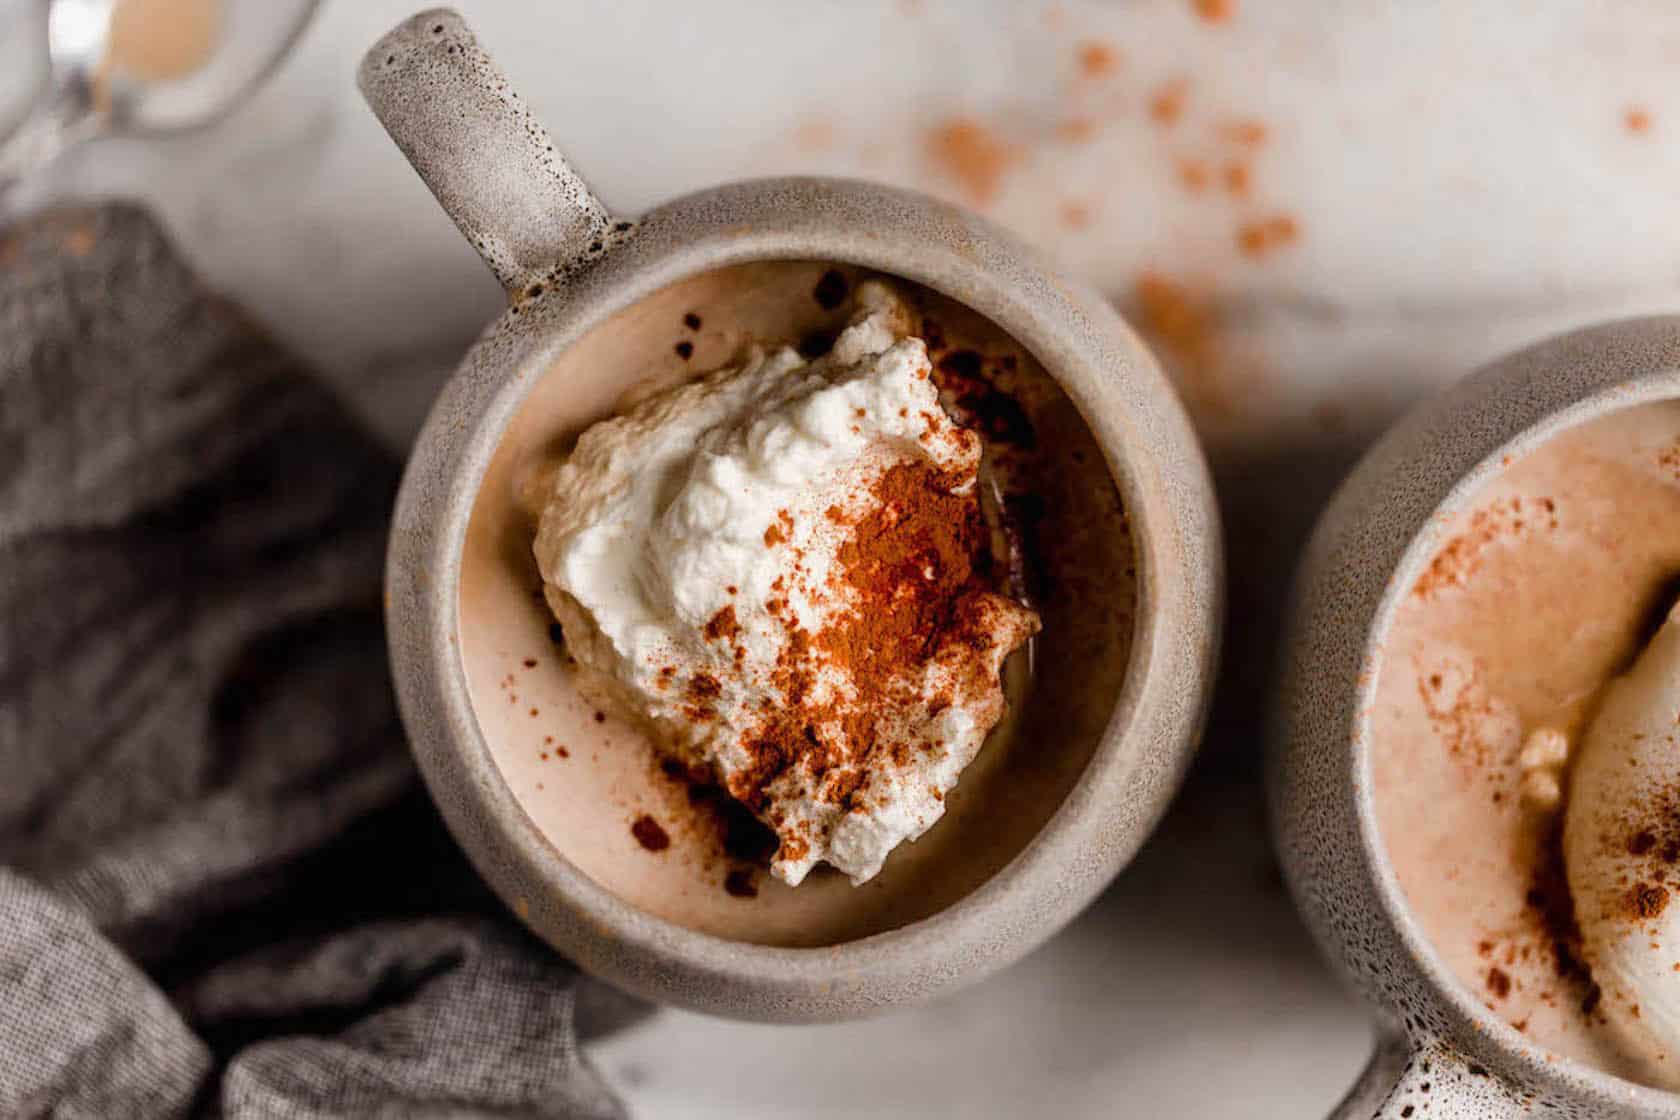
x=1180 y=317
x=972 y=155
x=1637 y=119
x=1215 y=11
x=1461 y=557
x=779 y=530
x=1097 y=59
x=1236 y=179
x=1645 y=901
x=649 y=834
x=724 y=626
x=1652 y=838
x=912 y=565
x=703 y=690
x=1259 y=238
x=1167 y=103
x=1076 y=215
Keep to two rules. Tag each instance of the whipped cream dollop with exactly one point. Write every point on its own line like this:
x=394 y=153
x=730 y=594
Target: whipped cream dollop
x=1621 y=844
x=775 y=568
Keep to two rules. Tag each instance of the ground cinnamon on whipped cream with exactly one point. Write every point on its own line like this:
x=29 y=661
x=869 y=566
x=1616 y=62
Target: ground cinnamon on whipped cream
x=918 y=609
x=782 y=570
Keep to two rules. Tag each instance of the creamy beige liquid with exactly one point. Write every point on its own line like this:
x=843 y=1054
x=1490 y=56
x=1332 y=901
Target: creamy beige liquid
x=1538 y=594
x=585 y=777
x=162 y=40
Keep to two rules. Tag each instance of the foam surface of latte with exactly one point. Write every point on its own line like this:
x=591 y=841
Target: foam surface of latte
x=686 y=544
x=1535 y=597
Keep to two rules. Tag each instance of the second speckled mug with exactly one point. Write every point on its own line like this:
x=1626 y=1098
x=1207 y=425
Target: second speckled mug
x=1441 y=1052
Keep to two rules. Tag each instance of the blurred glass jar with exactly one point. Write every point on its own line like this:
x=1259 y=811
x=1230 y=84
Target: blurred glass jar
x=73 y=70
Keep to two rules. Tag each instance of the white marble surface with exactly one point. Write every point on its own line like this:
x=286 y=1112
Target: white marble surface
x=1462 y=178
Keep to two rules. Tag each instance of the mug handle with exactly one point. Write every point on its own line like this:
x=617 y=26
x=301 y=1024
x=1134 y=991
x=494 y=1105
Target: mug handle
x=1408 y=1080
x=491 y=165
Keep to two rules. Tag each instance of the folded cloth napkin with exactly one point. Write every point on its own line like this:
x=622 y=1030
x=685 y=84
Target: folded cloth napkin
x=222 y=891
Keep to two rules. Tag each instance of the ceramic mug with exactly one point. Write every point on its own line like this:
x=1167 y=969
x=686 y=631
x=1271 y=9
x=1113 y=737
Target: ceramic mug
x=1440 y=1052
x=569 y=266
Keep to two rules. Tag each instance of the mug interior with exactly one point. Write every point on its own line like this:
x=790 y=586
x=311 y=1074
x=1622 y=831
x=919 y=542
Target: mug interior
x=584 y=777
x=1533 y=586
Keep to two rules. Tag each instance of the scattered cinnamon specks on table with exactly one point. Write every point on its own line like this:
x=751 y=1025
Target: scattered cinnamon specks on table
x=1166 y=104
x=1236 y=178
x=1637 y=119
x=1147 y=169
x=972 y=155
x=1181 y=318
x=1076 y=214
x=1260 y=237
x=1097 y=59
x=1215 y=11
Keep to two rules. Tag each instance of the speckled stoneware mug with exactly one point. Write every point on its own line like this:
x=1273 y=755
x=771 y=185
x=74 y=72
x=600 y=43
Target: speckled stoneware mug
x=1440 y=1052
x=572 y=270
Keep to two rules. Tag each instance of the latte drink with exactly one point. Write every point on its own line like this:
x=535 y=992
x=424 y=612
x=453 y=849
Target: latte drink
x=1537 y=594
x=589 y=775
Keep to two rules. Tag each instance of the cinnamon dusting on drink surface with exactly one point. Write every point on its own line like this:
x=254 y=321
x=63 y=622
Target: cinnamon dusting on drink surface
x=1460 y=557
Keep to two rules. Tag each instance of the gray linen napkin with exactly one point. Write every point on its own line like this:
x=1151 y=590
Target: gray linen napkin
x=222 y=891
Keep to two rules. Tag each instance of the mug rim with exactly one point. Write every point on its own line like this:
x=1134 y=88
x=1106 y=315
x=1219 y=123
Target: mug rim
x=1137 y=423
x=1557 y=1070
